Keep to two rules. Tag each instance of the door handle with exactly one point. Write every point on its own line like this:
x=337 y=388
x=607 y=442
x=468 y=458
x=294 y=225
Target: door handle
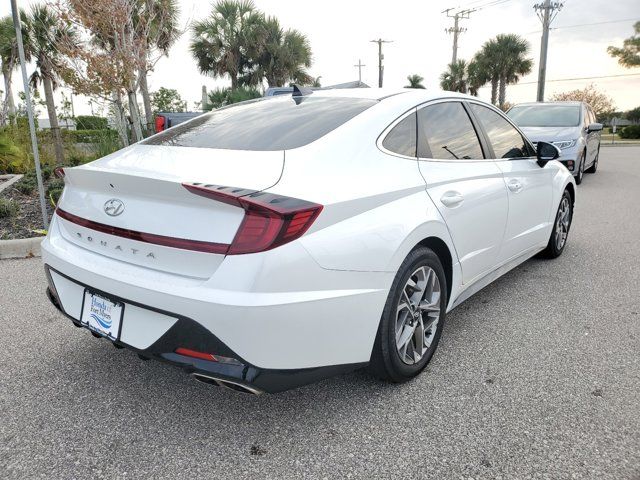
x=515 y=186
x=452 y=199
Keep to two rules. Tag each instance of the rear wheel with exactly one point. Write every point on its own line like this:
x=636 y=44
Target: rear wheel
x=561 y=227
x=412 y=319
x=593 y=168
x=580 y=169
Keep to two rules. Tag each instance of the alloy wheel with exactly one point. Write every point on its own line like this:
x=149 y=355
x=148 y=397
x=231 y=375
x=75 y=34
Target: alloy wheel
x=417 y=315
x=562 y=223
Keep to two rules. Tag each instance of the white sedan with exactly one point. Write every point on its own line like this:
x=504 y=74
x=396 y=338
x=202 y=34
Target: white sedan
x=276 y=242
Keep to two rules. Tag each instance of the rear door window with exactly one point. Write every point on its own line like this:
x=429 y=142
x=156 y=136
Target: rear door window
x=504 y=138
x=274 y=123
x=445 y=132
x=402 y=138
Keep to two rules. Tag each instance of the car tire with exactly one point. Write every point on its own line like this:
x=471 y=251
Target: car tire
x=580 y=174
x=412 y=319
x=561 y=227
x=594 y=168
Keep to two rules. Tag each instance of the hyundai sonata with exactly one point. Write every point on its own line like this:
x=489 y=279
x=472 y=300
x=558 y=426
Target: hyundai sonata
x=276 y=242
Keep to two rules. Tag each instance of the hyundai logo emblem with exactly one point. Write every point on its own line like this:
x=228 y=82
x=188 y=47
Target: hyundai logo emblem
x=113 y=207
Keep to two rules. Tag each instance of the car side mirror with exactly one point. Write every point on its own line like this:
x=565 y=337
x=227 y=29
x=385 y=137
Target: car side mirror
x=546 y=152
x=594 y=127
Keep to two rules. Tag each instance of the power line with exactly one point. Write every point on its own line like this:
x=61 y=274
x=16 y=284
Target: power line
x=596 y=23
x=580 y=78
x=584 y=25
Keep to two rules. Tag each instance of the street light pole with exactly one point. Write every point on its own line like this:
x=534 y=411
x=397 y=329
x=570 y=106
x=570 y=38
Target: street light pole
x=27 y=99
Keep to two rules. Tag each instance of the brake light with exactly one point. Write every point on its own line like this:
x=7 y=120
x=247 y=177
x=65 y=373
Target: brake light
x=59 y=172
x=269 y=221
x=159 y=123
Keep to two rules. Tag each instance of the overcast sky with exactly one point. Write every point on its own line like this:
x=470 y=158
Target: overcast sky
x=340 y=34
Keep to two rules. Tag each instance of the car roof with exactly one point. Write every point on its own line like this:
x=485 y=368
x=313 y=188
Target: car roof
x=528 y=104
x=418 y=94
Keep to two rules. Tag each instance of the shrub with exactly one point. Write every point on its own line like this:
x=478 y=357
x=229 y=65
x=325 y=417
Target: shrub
x=27 y=184
x=54 y=190
x=630 y=131
x=88 y=122
x=89 y=136
x=221 y=97
x=12 y=158
x=8 y=208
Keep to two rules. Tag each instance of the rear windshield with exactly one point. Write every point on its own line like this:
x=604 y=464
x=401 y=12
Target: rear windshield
x=279 y=123
x=545 y=115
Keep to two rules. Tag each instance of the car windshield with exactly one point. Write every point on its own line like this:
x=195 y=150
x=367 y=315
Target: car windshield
x=275 y=123
x=545 y=115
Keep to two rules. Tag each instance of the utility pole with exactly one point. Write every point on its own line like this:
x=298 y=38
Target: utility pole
x=546 y=11
x=456 y=29
x=380 y=57
x=360 y=65
x=27 y=101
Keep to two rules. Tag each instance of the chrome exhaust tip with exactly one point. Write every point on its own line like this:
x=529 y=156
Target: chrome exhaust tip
x=228 y=384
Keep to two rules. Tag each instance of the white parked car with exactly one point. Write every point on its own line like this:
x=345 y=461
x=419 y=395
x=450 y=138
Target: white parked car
x=276 y=242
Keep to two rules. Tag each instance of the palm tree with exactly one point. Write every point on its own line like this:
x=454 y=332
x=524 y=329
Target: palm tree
x=9 y=60
x=488 y=60
x=415 y=81
x=160 y=33
x=455 y=78
x=316 y=82
x=513 y=62
x=47 y=35
x=219 y=43
x=279 y=56
x=503 y=61
x=476 y=74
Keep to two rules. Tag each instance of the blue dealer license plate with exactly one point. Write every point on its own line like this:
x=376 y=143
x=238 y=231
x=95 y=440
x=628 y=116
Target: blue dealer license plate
x=102 y=315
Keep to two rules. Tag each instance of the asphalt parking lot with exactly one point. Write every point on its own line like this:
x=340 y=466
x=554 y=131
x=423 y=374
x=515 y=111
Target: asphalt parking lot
x=537 y=376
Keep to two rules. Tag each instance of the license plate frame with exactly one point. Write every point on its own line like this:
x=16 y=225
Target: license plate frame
x=101 y=314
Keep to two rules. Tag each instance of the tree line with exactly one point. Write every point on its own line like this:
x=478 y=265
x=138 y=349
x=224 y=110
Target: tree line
x=106 y=50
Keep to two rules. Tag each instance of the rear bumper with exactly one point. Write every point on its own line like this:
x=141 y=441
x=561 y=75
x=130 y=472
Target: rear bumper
x=285 y=318
x=187 y=333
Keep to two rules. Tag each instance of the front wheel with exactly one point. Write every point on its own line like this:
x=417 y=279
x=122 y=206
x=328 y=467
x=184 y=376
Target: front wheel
x=593 y=168
x=581 y=169
x=412 y=319
x=561 y=227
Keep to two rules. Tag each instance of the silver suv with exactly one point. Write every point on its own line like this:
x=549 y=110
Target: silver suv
x=570 y=126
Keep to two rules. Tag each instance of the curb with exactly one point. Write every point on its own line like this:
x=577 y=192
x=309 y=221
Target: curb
x=20 y=248
x=621 y=144
x=8 y=181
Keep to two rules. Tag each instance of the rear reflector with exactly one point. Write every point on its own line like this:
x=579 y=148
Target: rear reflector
x=207 y=356
x=195 y=354
x=270 y=220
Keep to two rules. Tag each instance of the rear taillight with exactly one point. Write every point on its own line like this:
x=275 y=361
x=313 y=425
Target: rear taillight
x=269 y=221
x=59 y=172
x=159 y=123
